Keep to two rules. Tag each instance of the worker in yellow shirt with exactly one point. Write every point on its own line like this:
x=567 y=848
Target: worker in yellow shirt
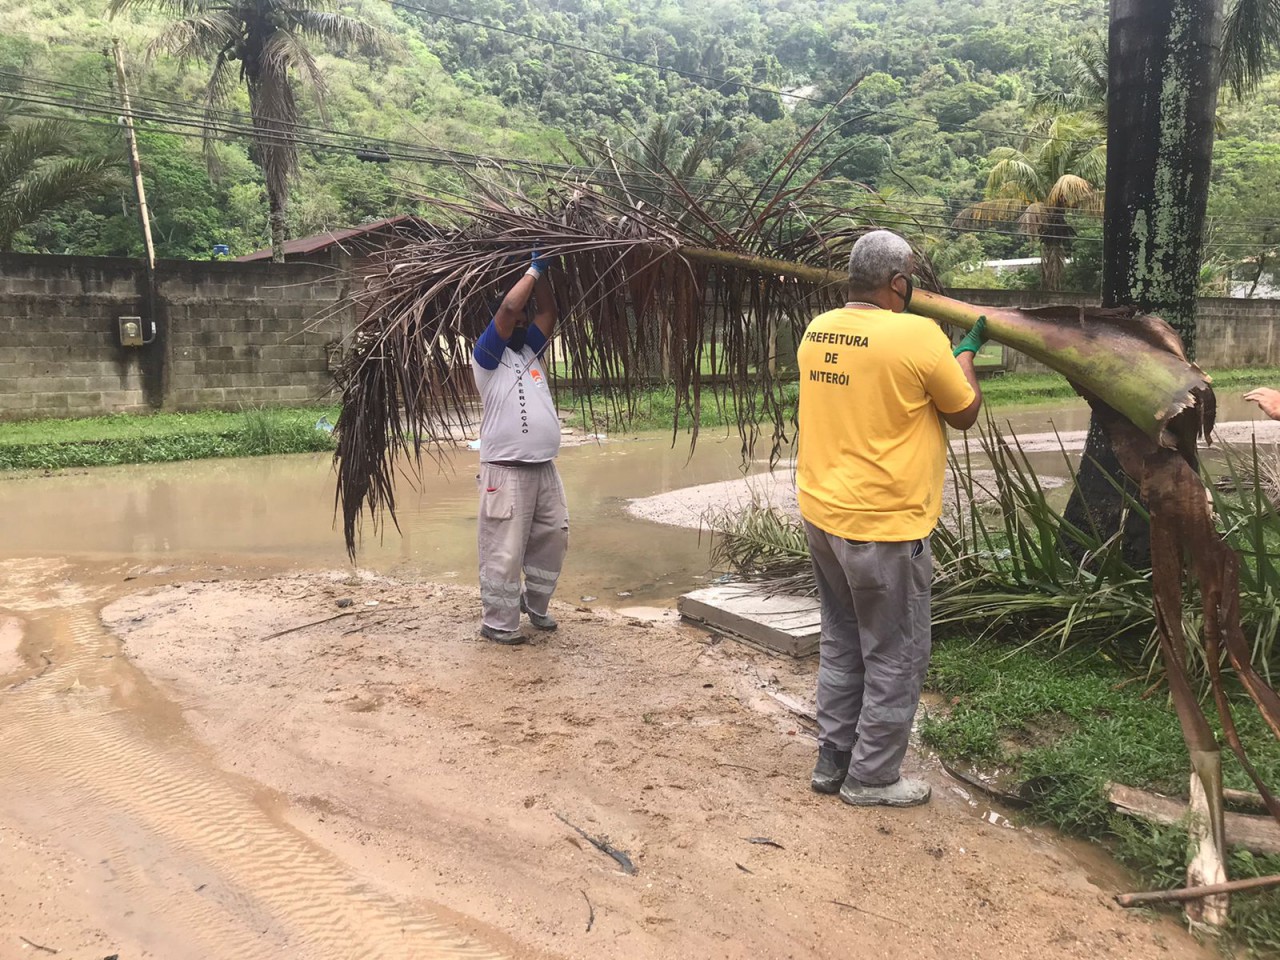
x=876 y=386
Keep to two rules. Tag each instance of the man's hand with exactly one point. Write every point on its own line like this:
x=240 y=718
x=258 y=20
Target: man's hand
x=973 y=340
x=539 y=265
x=1268 y=401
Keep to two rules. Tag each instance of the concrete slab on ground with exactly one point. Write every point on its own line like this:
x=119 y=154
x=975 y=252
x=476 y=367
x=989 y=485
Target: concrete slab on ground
x=779 y=624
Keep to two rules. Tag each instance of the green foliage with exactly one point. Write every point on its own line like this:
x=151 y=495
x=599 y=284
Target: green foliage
x=1063 y=728
x=980 y=69
x=441 y=82
x=105 y=441
x=39 y=173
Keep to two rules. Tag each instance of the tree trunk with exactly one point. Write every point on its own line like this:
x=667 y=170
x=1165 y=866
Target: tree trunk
x=1162 y=95
x=1052 y=257
x=277 y=205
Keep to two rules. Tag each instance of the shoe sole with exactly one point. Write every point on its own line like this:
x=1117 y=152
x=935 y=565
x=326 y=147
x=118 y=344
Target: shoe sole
x=856 y=801
x=826 y=787
x=548 y=628
x=511 y=642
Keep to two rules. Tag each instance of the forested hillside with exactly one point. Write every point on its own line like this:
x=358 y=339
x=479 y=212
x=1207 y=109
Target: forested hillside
x=943 y=84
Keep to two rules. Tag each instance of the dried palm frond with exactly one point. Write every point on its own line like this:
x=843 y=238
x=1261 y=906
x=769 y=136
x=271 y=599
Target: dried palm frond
x=702 y=277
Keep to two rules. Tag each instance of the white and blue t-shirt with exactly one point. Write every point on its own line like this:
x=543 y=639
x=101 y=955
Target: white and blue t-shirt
x=519 y=422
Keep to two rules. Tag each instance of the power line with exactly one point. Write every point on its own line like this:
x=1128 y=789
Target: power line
x=198 y=128
x=417 y=153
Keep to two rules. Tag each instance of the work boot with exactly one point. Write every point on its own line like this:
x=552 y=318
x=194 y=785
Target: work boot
x=833 y=766
x=543 y=621
x=510 y=638
x=903 y=792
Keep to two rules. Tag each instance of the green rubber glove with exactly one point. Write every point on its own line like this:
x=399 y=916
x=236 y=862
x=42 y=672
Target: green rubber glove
x=973 y=340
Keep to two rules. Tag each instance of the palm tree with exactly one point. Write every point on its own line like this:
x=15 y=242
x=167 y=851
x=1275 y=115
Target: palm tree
x=39 y=173
x=1060 y=167
x=1250 y=39
x=1086 y=91
x=268 y=38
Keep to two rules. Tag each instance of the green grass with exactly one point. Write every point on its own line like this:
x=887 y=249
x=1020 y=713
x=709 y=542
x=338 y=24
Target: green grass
x=151 y=438
x=654 y=409
x=161 y=437
x=1065 y=727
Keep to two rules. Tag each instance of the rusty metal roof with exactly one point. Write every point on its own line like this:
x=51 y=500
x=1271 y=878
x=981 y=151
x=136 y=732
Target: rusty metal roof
x=319 y=242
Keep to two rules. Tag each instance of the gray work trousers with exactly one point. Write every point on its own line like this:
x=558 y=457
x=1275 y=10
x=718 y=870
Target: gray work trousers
x=876 y=640
x=523 y=528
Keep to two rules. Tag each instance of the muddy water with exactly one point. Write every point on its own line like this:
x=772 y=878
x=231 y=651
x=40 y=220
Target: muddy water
x=279 y=511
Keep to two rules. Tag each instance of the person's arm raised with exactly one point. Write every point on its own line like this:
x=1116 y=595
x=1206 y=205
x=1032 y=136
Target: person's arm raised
x=949 y=390
x=547 y=312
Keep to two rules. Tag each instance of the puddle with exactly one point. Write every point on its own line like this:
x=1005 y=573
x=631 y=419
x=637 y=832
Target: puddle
x=279 y=511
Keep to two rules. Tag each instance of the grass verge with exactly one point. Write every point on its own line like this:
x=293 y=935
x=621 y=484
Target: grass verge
x=162 y=437
x=1066 y=726
x=152 y=438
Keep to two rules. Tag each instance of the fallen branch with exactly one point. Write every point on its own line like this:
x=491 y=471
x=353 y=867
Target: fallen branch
x=1255 y=834
x=878 y=916
x=303 y=626
x=1196 y=893
x=604 y=846
x=35 y=945
x=591 y=911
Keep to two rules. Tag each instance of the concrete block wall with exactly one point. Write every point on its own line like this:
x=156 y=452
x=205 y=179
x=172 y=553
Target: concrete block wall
x=241 y=334
x=229 y=335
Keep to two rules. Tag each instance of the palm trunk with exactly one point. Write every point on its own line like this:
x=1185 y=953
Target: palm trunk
x=1052 y=255
x=1106 y=353
x=1162 y=96
x=278 y=205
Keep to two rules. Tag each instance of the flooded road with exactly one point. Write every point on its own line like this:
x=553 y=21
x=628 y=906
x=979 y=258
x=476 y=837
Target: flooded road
x=279 y=511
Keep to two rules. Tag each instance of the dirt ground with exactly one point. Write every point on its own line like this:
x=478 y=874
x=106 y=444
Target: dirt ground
x=186 y=779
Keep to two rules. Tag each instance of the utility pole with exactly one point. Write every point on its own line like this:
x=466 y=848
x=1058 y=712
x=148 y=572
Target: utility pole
x=136 y=164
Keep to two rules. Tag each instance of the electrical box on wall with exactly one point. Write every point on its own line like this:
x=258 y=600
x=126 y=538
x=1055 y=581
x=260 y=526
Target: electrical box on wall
x=136 y=332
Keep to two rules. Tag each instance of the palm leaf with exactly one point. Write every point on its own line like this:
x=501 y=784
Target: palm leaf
x=636 y=275
x=1000 y=211
x=50 y=187
x=1250 y=37
x=1071 y=192
x=336 y=29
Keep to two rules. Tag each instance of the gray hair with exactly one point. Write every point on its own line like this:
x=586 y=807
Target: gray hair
x=876 y=258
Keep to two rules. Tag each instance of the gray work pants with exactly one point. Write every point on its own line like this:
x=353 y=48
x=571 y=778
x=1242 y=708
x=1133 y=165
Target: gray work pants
x=874 y=649
x=523 y=528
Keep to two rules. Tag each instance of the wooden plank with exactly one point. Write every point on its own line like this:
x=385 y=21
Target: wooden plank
x=1256 y=834
x=778 y=624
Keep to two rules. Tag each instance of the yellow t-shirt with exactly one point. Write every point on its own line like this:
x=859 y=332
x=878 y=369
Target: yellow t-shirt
x=873 y=455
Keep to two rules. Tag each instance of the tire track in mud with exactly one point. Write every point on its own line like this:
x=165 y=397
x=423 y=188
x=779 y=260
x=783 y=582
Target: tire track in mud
x=146 y=806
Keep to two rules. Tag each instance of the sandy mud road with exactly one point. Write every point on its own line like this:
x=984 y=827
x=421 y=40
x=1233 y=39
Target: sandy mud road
x=178 y=782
